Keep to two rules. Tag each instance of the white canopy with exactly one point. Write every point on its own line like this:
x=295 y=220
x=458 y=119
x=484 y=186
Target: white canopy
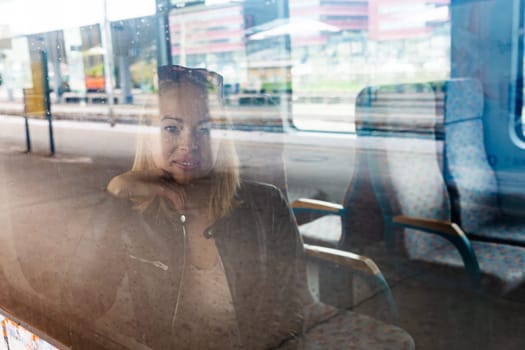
x=22 y=17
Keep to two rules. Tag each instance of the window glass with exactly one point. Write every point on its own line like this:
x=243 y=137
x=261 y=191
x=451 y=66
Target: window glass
x=320 y=52
x=261 y=174
x=16 y=73
x=343 y=46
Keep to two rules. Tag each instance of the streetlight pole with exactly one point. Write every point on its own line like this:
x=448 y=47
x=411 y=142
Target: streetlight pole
x=108 y=63
x=163 y=33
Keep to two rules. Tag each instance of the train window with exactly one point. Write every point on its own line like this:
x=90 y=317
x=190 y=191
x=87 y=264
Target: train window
x=349 y=45
x=315 y=56
x=262 y=174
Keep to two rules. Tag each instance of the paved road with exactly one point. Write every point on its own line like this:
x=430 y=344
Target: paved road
x=98 y=141
x=315 y=162
x=130 y=114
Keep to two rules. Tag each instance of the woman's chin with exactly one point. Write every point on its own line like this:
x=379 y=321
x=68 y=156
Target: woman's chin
x=191 y=179
x=183 y=179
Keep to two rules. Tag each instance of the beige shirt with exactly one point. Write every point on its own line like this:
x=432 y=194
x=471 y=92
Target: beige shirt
x=205 y=317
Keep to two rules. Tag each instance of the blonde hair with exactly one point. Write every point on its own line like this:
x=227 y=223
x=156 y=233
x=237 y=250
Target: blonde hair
x=225 y=173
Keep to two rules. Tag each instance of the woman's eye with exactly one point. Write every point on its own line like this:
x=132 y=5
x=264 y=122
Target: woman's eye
x=203 y=129
x=172 y=129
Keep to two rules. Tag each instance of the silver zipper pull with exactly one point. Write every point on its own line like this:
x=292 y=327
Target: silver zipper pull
x=183 y=218
x=208 y=234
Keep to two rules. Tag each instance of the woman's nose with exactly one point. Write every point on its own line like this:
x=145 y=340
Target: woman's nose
x=187 y=142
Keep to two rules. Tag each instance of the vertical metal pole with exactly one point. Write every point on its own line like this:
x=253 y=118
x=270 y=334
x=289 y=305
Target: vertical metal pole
x=125 y=80
x=47 y=101
x=28 y=136
x=51 y=137
x=182 y=42
x=108 y=62
x=163 y=33
x=54 y=48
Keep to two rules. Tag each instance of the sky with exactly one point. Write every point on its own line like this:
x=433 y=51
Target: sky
x=36 y=16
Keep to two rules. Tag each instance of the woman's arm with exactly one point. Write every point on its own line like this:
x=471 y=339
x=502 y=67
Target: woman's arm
x=137 y=184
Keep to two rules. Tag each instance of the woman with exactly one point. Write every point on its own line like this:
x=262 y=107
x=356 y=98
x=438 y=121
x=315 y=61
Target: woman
x=213 y=262
x=227 y=250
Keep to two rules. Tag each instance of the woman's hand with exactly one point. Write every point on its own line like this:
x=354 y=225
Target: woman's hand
x=147 y=184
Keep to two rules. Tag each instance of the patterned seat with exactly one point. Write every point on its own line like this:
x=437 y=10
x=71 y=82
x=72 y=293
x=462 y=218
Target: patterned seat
x=468 y=172
x=501 y=265
x=266 y=164
x=410 y=188
x=329 y=227
x=326 y=327
x=347 y=329
x=341 y=225
x=350 y=330
x=502 y=229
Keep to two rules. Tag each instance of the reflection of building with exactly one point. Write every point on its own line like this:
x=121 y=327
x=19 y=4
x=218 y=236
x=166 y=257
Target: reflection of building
x=209 y=36
x=346 y=15
x=222 y=37
x=405 y=19
x=206 y=30
x=220 y=29
x=381 y=19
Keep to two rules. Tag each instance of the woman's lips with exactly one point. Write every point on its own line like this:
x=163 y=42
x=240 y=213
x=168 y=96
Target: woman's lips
x=186 y=164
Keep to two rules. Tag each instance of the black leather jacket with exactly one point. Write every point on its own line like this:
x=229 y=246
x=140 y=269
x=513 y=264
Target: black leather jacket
x=260 y=249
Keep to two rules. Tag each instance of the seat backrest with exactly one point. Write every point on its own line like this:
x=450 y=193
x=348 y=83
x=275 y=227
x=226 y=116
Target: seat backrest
x=467 y=169
x=363 y=220
x=261 y=159
x=396 y=126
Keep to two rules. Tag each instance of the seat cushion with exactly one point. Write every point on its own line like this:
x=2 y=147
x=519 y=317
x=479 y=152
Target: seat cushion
x=350 y=330
x=325 y=231
x=501 y=265
x=506 y=229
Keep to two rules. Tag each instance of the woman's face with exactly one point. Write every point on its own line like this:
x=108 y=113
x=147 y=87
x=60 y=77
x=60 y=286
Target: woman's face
x=185 y=145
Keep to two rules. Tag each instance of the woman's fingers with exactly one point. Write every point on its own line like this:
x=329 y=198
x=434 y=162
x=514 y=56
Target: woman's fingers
x=149 y=183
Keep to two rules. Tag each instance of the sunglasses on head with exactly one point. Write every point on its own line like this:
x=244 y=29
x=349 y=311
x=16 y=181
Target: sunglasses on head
x=201 y=76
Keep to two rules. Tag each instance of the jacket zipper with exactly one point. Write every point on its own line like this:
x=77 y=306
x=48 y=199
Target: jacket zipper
x=182 y=220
